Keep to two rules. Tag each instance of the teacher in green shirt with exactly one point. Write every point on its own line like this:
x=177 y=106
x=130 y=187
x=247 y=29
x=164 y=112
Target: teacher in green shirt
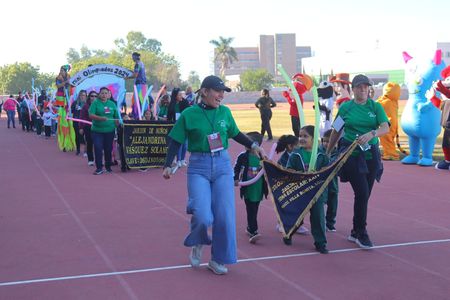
x=364 y=121
x=104 y=115
x=207 y=127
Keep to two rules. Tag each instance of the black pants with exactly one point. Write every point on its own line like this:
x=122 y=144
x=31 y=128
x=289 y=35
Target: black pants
x=362 y=185
x=295 y=125
x=26 y=123
x=89 y=143
x=252 y=215
x=48 y=131
x=266 y=115
x=39 y=124
x=79 y=139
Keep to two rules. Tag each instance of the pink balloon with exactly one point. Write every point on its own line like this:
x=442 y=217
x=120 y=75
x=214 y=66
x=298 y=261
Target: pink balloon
x=261 y=172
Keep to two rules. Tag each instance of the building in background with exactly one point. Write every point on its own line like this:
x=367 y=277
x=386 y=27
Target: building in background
x=272 y=50
x=445 y=47
x=379 y=65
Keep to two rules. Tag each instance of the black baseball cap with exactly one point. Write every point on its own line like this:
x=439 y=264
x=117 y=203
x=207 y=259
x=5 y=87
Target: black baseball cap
x=215 y=83
x=360 y=79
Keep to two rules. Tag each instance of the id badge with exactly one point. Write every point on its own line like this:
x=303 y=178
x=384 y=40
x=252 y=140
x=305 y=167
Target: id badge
x=215 y=142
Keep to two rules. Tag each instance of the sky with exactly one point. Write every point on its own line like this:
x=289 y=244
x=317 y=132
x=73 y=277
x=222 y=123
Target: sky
x=41 y=32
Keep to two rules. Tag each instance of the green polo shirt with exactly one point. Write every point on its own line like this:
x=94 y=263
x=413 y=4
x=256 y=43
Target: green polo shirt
x=360 y=119
x=106 y=109
x=196 y=123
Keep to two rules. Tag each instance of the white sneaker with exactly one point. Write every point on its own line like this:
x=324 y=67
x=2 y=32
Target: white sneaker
x=254 y=238
x=280 y=230
x=179 y=164
x=183 y=163
x=196 y=256
x=84 y=154
x=90 y=163
x=302 y=230
x=217 y=268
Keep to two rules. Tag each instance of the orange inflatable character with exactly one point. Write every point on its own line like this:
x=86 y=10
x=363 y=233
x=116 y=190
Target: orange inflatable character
x=389 y=101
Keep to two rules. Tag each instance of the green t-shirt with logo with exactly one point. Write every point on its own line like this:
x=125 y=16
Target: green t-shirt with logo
x=196 y=123
x=106 y=109
x=360 y=119
x=254 y=192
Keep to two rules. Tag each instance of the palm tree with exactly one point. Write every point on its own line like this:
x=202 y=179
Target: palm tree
x=224 y=53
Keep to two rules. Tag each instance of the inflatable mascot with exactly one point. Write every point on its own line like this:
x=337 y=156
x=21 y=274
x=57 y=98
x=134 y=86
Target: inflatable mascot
x=443 y=87
x=341 y=83
x=326 y=103
x=389 y=101
x=421 y=117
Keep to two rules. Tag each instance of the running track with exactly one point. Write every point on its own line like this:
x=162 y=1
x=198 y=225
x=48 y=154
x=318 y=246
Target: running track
x=66 y=234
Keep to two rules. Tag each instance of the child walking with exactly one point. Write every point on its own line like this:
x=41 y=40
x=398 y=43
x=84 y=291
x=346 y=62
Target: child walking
x=333 y=187
x=288 y=143
x=247 y=167
x=48 y=117
x=299 y=161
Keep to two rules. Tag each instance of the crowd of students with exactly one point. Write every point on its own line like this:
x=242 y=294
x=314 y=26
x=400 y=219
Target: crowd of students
x=204 y=129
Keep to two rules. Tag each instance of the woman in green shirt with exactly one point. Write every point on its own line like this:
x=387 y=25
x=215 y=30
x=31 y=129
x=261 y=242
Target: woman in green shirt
x=207 y=128
x=104 y=115
x=364 y=121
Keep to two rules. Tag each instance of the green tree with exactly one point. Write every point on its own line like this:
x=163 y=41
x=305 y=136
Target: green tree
x=224 y=54
x=256 y=80
x=17 y=77
x=136 y=41
x=194 y=80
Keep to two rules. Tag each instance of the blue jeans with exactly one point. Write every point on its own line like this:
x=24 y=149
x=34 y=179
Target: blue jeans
x=211 y=203
x=10 y=114
x=103 y=142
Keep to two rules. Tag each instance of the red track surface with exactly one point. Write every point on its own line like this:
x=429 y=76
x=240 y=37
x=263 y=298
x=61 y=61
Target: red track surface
x=57 y=220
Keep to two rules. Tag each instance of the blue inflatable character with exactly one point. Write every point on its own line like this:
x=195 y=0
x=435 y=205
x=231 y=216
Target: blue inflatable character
x=421 y=118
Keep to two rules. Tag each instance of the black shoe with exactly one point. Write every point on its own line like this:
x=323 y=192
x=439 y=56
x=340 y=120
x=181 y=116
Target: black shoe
x=98 y=172
x=123 y=170
x=108 y=170
x=322 y=249
x=363 y=241
x=77 y=153
x=331 y=228
x=287 y=241
x=115 y=163
x=352 y=236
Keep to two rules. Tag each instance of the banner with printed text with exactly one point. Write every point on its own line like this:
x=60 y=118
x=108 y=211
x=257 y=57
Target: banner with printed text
x=145 y=143
x=294 y=193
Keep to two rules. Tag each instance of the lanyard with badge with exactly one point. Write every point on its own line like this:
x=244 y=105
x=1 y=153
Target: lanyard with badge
x=214 y=140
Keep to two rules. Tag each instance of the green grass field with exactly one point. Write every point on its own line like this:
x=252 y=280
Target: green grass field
x=248 y=119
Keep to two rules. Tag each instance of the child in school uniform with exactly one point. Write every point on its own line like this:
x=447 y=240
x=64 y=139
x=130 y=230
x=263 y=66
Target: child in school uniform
x=247 y=167
x=333 y=188
x=287 y=143
x=48 y=116
x=299 y=161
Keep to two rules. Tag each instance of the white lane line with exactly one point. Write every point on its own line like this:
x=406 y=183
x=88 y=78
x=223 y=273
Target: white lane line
x=204 y=264
x=80 y=224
